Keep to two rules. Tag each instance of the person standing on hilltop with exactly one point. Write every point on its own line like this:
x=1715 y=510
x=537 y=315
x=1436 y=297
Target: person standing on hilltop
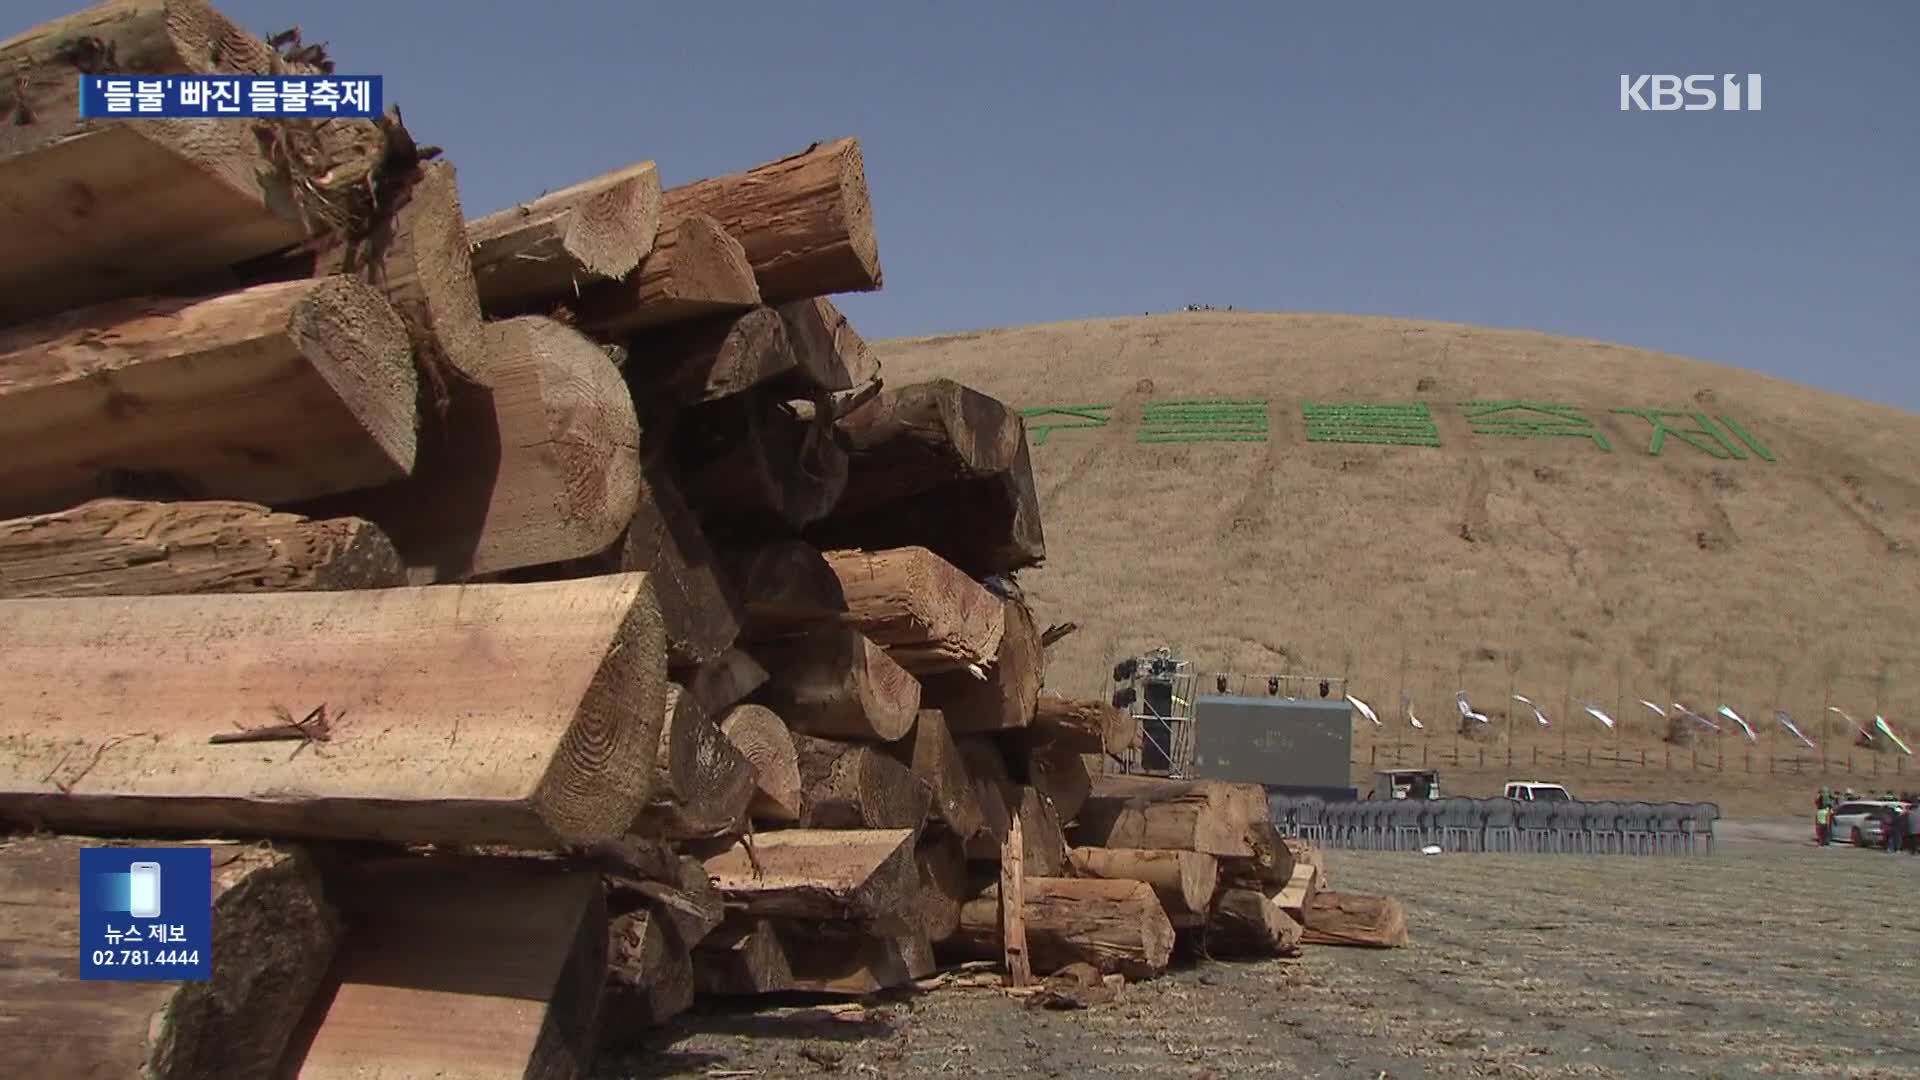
x=1822 y=824
x=1897 y=830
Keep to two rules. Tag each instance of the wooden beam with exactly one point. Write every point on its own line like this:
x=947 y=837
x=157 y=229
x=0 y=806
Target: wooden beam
x=726 y=681
x=1064 y=779
x=855 y=961
x=922 y=437
x=993 y=789
x=271 y=394
x=750 y=461
x=696 y=271
x=1013 y=900
x=1335 y=918
x=469 y=968
x=928 y=615
x=759 y=735
x=941 y=861
x=1183 y=880
x=1296 y=896
x=709 y=359
x=98 y=209
x=274 y=936
x=744 y=956
x=1187 y=817
x=529 y=257
x=1080 y=726
x=855 y=875
x=784 y=586
x=122 y=547
x=825 y=342
x=835 y=682
x=1244 y=922
x=512 y=714
x=847 y=785
x=1004 y=700
x=805 y=221
x=929 y=751
x=650 y=974
x=702 y=784
x=1044 y=844
x=538 y=465
x=1116 y=926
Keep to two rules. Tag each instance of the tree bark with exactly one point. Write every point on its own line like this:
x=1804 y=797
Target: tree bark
x=121 y=547
x=834 y=682
x=941 y=861
x=98 y=209
x=702 y=785
x=530 y=257
x=507 y=714
x=539 y=465
x=271 y=394
x=805 y=221
x=784 y=586
x=1335 y=918
x=456 y=967
x=856 y=786
x=1116 y=926
x=751 y=462
x=1244 y=922
x=863 y=876
x=274 y=937
x=929 y=751
x=1183 y=880
x=1082 y=727
x=928 y=615
x=744 y=956
x=1005 y=699
x=760 y=736
x=696 y=271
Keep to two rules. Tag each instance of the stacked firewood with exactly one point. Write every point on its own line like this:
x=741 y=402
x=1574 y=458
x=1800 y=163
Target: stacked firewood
x=548 y=616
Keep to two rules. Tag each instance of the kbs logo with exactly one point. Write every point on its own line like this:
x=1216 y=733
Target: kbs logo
x=1694 y=93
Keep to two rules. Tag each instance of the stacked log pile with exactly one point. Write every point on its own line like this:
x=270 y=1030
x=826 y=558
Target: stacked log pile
x=554 y=608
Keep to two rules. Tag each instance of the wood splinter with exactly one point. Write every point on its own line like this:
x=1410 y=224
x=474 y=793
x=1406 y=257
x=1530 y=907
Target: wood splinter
x=309 y=729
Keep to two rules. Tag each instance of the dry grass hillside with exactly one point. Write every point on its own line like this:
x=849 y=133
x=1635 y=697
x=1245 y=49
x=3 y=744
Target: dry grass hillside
x=1534 y=564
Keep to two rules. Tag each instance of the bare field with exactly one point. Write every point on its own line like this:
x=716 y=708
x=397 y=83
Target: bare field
x=1544 y=565
x=1772 y=958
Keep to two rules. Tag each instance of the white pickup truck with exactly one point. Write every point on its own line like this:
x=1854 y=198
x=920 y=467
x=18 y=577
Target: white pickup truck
x=1536 y=791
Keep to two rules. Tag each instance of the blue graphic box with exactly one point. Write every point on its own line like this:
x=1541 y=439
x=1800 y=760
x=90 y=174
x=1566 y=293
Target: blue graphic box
x=146 y=913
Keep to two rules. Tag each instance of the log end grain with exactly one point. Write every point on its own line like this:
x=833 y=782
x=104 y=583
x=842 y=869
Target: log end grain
x=358 y=344
x=759 y=735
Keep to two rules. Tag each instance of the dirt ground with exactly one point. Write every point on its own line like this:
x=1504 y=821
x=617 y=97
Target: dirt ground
x=1771 y=958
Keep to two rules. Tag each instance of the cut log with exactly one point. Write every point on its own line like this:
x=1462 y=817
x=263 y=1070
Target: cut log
x=929 y=750
x=531 y=256
x=924 y=437
x=835 y=682
x=805 y=221
x=1063 y=778
x=1269 y=867
x=750 y=461
x=274 y=936
x=538 y=465
x=983 y=526
x=696 y=271
x=713 y=358
x=846 y=785
x=1116 y=926
x=1044 y=843
x=1199 y=816
x=1082 y=727
x=649 y=971
x=462 y=968
x=1305 y=853
x=942 y=864
x=864 y=876
x=826 y=343
x=512 y=714
x=418 y=257
x=760 y=736
x=784 y=586
x=1335 y=918
x=687 y=902
x=726 y=681
x=274 y=393
x=121 y=547
x=1244 y=922
x=853 y=961
x=97 y=209
x=744 y=956
x=928 y=615
x=701 y=784
x=993 y=789
x=1004 y=700
x=1183 y=880
x=1297 y=895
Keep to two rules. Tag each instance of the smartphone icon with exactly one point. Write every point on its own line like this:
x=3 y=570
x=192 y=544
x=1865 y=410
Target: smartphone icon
x=144 y=895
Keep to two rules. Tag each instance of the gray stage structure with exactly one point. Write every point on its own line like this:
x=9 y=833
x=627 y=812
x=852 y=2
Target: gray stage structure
x=1293 y=745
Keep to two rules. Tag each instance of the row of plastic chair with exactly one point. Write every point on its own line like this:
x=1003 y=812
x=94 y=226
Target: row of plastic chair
x=1460 y=824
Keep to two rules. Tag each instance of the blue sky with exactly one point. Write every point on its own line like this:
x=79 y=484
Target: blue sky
x=1035 y=162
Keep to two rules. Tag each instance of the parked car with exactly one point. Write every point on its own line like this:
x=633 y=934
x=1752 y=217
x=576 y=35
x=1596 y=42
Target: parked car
x=1536 y=791
x=1863 y=822
x=1402 y=783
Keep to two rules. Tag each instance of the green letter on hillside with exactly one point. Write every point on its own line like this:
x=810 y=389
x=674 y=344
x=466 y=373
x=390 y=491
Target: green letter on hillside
x=1376 y=423
x=1204 y=420
x=1069 y=418
x=1702 y=436
x=1531 y=419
